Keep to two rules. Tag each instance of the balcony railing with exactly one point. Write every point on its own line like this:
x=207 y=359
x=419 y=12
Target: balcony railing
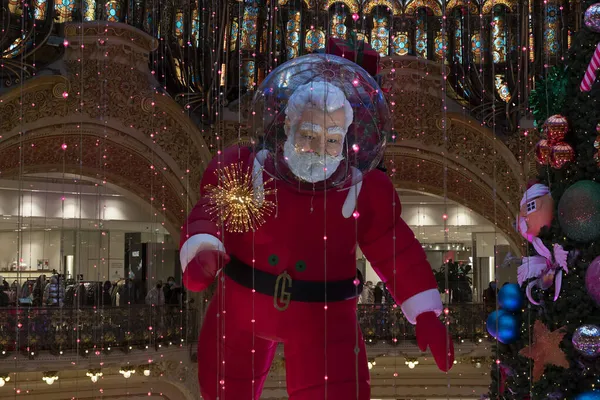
x=88 y=331
x=387 y=323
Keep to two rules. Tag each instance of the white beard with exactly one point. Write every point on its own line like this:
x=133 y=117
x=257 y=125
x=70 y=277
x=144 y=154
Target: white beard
x=309 y=167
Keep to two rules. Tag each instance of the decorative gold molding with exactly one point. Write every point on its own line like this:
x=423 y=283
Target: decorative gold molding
x=351 y=4
x=391 y=4
x=489 y=4
x=121 y=102
x=433 y=5
x=75 y=32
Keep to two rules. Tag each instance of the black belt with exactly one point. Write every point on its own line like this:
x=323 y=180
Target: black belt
x=284 y=289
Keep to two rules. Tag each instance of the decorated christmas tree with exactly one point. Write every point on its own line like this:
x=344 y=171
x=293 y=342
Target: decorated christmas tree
x=548 y=328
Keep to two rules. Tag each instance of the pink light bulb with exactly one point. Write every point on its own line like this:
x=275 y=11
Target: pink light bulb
x=355 y=17
x=355 y=148
x=355 y=214
x=65 y=95
x=63 y=146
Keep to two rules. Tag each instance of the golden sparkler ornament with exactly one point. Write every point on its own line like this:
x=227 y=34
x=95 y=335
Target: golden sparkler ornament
x=239 y=199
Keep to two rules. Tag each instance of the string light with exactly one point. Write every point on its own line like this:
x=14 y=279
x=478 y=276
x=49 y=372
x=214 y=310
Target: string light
x=127 y=372
x=94 y=375
x=50 y=377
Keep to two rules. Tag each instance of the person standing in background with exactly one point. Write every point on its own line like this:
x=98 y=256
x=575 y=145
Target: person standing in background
x=378 y=293
x=366 y=296
x=489 y=297
x=156 y=296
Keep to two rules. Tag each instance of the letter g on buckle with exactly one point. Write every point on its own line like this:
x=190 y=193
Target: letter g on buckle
x=282 y=297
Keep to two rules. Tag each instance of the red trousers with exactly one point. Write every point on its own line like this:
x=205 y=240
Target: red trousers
x=324 y=351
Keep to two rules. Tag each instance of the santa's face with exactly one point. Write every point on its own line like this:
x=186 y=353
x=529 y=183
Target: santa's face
x=313 y=148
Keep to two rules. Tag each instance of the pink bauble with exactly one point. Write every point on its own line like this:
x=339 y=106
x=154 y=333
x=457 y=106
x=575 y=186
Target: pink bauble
x=592 y=280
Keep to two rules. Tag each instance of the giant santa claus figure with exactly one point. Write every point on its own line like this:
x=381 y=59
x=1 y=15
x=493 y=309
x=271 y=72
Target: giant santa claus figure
x=289 y=276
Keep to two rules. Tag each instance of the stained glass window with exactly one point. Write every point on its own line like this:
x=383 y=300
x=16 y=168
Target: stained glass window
x=440 y=42
x=314 y=40
x=179 y=26
x=338 y=26
x=292 y=37
x=114 y=9
x=234 y=35
x=14 y=49
x=401 y=44
x=40 y=9
x=89 y=10
x=196 y=27
x=476 y=47
x=249 y=24
x=15 y=7
x=458 y=36
x=64 y=10
x=178 y=71
x=499 y=35
x=502 y=88
x=551 y=30
x=277 y=38
x=421 y=33
x=247 y=75
x=380 y=35
x=531 y=37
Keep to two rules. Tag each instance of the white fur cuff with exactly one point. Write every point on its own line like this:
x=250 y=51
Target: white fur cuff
x=429 y=300
x=195 y=244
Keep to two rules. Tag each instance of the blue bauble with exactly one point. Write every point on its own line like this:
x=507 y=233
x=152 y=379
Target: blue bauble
x=593 y=395
x=510 y=297
x=503 y=326
x=579 y=211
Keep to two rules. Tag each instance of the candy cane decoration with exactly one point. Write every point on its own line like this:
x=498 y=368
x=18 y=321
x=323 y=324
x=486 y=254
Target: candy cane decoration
x=590 y=73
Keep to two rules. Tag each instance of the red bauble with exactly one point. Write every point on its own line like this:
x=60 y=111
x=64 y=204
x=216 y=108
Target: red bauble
x=555 y=128
x=562 y=153
x=543 y=151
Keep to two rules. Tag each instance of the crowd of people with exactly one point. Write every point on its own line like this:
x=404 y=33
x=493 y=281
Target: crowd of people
x=56 y=291
x=375 y=294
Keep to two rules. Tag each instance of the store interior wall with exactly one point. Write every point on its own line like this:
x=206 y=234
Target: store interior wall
x=97 y=255
x=82 y=223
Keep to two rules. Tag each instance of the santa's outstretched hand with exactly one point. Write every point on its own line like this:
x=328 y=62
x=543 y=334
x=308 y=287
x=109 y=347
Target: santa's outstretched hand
x=432 y=333
x=201 y=271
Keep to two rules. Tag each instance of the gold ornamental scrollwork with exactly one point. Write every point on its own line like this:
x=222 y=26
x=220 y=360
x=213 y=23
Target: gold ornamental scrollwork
x=147 y=104
x=61 y=90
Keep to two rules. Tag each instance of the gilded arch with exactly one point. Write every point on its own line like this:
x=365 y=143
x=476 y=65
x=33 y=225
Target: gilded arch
x=489 y=4
x=113 y=102
x=391 y=4
x=482 y=173
x=433 y=5
x=452 y=4
x=351 y=4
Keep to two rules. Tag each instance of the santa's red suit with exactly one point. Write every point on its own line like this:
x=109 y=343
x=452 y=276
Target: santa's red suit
x=273 y=287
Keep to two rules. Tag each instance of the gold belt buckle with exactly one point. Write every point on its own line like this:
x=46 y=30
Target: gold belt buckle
x=281 y=297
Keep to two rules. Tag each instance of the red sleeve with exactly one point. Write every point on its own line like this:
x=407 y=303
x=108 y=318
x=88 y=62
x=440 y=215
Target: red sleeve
x=392 y=249
x=200 y=230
